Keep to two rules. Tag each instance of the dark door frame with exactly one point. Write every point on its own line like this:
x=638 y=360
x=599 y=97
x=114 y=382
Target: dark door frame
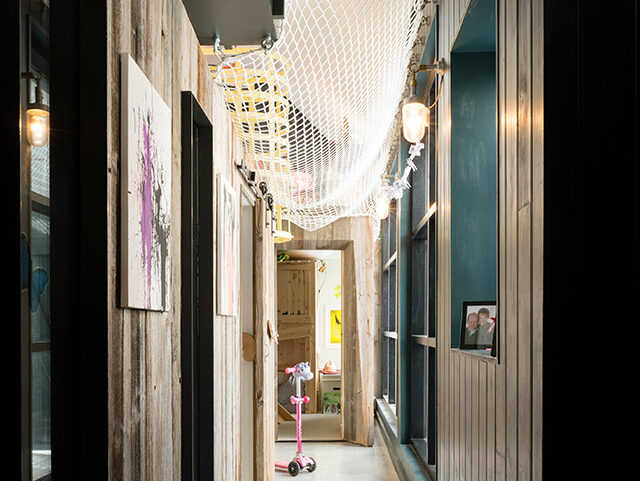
x=197 y=291
x=79 y=232
x=16 y=456
x=78 y=192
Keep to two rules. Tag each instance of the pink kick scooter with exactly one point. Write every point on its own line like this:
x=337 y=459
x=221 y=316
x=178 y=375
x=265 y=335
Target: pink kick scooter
x=301 y=372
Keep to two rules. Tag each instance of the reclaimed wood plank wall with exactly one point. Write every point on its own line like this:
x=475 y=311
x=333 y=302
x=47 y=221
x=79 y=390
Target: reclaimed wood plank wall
x=490 y=413
x=144 y=347
x=265 y=374
x=361 y=259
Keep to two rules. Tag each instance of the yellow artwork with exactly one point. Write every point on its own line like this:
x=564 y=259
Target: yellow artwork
x=336 y=326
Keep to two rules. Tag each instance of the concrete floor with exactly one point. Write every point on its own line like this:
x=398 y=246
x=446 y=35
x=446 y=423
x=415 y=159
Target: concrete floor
x=341 y=461
x=315 y=427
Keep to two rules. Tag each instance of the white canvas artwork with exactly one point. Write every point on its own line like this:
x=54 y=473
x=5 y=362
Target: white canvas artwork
x=227 y=248
x=145 y=144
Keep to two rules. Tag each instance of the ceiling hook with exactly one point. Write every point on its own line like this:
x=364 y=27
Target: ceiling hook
x=267 y=43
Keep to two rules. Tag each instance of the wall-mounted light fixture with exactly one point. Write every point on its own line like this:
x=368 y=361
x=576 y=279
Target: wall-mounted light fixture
x=414 y=112
x=37 y=115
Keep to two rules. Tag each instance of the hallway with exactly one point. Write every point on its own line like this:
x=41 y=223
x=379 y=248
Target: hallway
x=339 y=461
x=408 y=228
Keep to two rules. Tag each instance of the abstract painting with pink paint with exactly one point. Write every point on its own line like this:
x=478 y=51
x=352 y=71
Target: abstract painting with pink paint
x=145 y=176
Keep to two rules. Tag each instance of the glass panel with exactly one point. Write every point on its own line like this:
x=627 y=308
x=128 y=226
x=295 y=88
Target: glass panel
x=385 y=365
x=419 y=301
x=392 y=227
x=392 y=371
x=431 y=278
x=385 y=300
x=39 y=226
x=392 y=298
x=418 y=191
x=41 y=413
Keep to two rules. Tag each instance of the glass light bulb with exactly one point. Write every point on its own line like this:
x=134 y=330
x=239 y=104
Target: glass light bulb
x=414 y=120
x=382 y=207
x=38 y=127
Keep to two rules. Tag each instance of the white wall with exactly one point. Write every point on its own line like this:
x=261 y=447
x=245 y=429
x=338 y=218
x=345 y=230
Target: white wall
x=326 y=298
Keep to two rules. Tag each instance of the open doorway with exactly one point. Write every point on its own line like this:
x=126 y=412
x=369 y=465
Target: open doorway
x=309 y=306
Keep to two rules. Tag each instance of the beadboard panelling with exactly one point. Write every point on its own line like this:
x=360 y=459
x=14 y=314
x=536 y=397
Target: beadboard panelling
x=489 y=413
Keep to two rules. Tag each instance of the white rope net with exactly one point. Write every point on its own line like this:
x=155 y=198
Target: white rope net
x=315 y=112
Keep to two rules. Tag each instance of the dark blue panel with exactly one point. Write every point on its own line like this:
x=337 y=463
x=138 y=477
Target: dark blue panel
x=473 y=182
x=478 y=30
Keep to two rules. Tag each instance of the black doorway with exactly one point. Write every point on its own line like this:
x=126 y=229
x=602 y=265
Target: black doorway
x=197 y=291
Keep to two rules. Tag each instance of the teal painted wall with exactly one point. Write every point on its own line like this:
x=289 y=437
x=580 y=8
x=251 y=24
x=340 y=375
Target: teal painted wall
x=473 y=182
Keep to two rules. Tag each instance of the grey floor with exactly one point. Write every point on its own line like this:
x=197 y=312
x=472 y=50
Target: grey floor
x=315 y=427
x=341 y=461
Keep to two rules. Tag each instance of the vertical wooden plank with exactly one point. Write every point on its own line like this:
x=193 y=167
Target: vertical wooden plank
x=266 y=353
x=468 y=417
x=448 y=421
x=464 y=418
x=475 y=414
x=491 y=422
x=500 y=370
x=457 y=417
x=455 y=20
x=524 y=240
x=537 y=160
x=524 y=345
x=511 y=299
x=482 y=421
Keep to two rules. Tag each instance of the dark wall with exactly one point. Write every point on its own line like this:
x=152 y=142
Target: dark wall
x=590 y=237
x=473 y=182
x=79 y=267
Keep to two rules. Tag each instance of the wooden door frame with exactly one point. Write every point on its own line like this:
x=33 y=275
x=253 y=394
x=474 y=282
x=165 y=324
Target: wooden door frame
x=348 y=306
x=265 y=407
x=249 y=194
x=80 y=256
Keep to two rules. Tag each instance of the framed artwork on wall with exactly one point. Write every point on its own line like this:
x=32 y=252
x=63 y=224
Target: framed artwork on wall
x=333 y=326
x=227 y=248
x=145 y=149
x=478 y=325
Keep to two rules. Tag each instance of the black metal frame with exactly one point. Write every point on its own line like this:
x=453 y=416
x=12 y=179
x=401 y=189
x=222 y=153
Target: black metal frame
x=197 y=287
x=78 y=262
x=15 y=421
x=79 y=253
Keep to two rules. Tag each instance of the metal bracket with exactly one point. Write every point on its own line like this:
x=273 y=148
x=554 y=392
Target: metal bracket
x=439 y=67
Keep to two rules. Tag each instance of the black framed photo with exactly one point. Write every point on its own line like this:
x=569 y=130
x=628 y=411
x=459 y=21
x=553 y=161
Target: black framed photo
x=478 y=326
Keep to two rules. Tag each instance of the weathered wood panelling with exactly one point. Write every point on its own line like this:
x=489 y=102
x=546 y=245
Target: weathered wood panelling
x=489 y=413
x=144 y=347
x=361 y=328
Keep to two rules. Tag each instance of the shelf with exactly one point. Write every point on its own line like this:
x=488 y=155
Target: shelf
x=424 y=340
x=391 y=260
x=418 y=233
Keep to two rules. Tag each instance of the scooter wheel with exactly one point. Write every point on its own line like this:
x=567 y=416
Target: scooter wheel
x=294 y=468
x=312 y=467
